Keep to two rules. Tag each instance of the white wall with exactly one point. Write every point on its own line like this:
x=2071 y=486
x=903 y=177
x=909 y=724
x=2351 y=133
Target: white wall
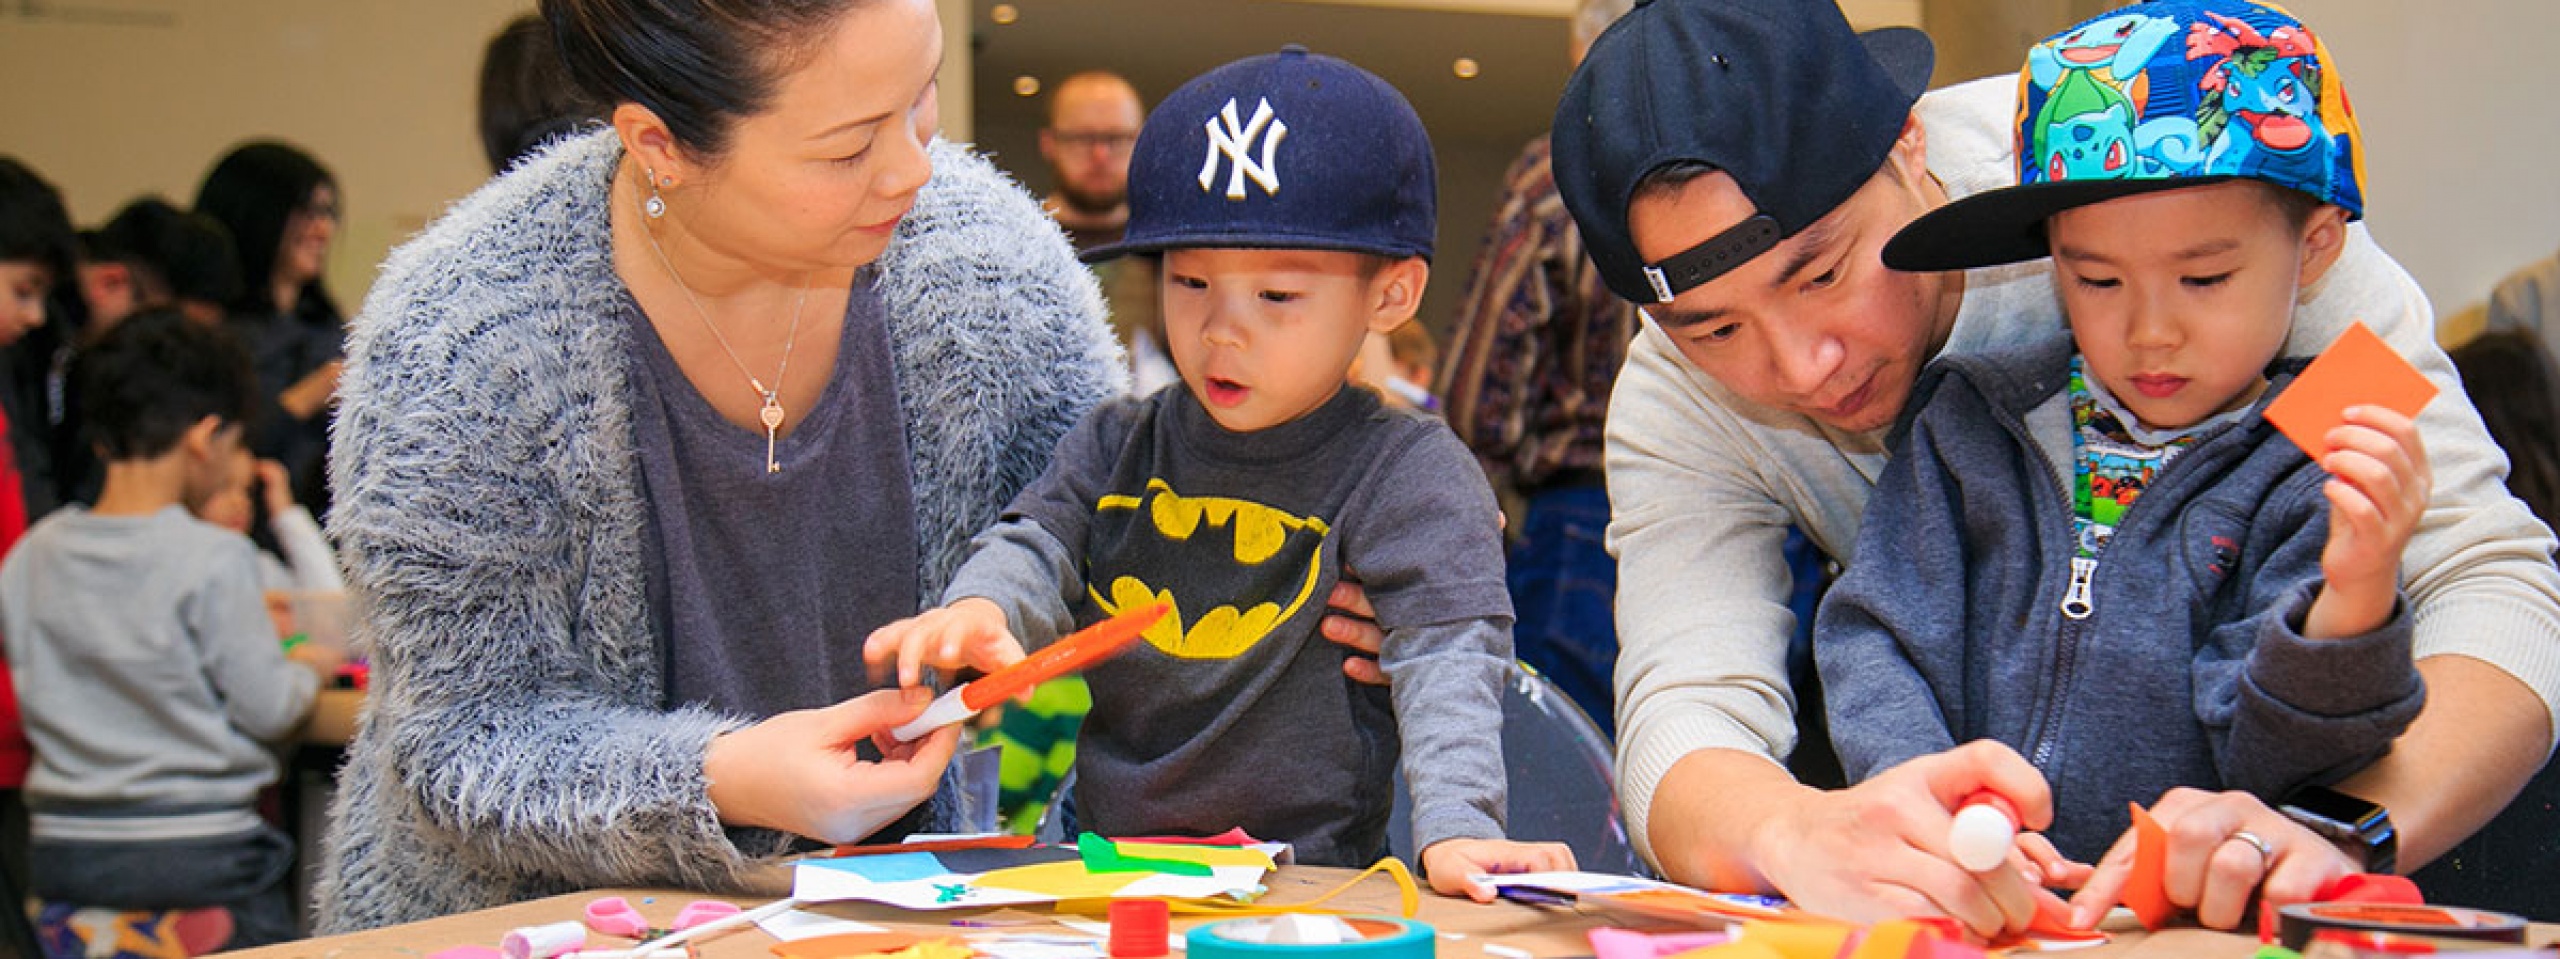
x=111 y=99
x=2464 y=132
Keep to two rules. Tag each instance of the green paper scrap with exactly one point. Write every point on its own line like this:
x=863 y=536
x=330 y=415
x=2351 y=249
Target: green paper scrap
x=1103 y=855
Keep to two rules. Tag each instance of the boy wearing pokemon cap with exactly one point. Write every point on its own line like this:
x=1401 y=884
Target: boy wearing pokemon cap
x=1291 y=198
x=2094 y=548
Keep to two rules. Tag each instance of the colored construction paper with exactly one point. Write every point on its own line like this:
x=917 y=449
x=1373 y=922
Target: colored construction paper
x=803 y=924
x=990 y=860
x=1060 y=880
x=2146 y=891
x=1611 y=942
x=846 y=944
x=908 y=882
x=1892 y=939
x=1797 y=939
x=1736 y=950
x=2357 y=370
x=1212 y=856
x=892 y=867
x=1232 y=837
x=937 y=845
x=1102 y=856
x=848 y=947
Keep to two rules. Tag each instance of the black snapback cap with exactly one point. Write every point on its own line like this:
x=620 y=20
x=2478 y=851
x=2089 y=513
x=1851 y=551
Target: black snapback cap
x=1782 y=95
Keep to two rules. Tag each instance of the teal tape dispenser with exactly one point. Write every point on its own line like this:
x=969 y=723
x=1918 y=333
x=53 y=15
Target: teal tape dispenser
x=1310 y=936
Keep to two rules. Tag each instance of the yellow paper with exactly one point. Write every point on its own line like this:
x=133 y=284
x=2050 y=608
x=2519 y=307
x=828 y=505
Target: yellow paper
x=1211 y=856
x=1888 y=940
x=1797 y=940
x=1064 y=880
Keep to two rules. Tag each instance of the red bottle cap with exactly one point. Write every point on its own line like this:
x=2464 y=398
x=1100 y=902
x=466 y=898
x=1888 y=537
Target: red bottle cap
x=1138 y=928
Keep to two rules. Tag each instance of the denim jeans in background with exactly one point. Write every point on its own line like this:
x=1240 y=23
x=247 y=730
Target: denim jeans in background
x=1564 y=586
x=247 y=874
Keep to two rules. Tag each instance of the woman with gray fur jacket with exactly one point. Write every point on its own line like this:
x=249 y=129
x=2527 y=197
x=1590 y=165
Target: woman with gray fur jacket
x=640 y=440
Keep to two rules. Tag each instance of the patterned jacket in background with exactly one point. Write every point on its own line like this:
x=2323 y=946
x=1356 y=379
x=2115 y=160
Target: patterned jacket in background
x=1538 y=340
x=490 y=516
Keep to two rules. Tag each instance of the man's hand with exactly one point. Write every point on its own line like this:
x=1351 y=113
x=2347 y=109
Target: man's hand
x=2212 y=869
x=1878 y=850
x=1352 y=624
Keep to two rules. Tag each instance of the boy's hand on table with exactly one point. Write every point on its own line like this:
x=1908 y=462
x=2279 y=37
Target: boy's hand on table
x=1351 y=623
x=2378 y=490
x=971 y=632
x=799 y=771
x=1878 y=850
x=1452 y=862
x=2211 y=869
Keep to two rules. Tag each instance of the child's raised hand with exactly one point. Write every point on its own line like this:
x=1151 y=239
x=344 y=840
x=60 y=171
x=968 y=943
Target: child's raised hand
x=2378 y=489
x=1451 y=862
x=970 y=632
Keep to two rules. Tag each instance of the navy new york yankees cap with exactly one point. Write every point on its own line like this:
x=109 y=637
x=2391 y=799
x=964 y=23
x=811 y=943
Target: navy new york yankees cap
x=1288 y=150
x=1779 y=94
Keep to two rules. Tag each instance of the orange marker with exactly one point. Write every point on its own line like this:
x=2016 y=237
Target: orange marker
x=1986 y=826
x=1079 y=649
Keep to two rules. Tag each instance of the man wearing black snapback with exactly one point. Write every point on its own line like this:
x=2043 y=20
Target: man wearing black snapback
x=1736 y=168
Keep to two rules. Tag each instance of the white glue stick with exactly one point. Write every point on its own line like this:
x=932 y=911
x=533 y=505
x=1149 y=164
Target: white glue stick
x=1985 y=828
x=544 y=942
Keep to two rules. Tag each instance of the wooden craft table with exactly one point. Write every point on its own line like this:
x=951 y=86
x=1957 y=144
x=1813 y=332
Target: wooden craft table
x=333 y=717
x=1543 y=932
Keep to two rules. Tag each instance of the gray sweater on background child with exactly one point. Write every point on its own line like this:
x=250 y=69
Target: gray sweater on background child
x=149 y=673
x=1234 y=712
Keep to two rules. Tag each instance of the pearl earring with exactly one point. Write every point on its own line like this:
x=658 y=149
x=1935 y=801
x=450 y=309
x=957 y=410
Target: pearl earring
x=655 y=206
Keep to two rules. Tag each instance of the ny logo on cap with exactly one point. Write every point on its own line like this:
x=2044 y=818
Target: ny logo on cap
x=1236 y=142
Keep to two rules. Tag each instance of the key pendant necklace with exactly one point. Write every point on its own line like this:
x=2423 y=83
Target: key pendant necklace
x=770 y=414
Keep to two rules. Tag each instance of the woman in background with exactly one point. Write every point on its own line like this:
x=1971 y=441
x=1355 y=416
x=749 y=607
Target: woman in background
x=282 y=209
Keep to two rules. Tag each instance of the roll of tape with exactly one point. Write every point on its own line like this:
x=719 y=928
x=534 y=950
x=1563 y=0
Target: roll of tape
x=1378 y=938
x=2301 y=921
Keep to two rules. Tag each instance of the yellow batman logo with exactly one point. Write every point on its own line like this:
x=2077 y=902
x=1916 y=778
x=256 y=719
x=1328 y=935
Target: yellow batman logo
x=1260 y=533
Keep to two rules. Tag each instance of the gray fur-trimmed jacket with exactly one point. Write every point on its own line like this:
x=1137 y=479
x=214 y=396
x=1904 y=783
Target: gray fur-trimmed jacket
x=489 y=513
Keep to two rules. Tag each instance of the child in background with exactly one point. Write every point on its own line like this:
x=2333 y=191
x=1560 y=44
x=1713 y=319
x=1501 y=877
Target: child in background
x=2209 y=608
x=152 y=680
x=308 y=563
x=1400 y=366
x=1241 y=496
x=35 y=253
x=151 y=255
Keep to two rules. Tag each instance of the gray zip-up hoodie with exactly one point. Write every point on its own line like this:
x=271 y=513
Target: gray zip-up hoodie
x=2189 y=671
x=489 y=514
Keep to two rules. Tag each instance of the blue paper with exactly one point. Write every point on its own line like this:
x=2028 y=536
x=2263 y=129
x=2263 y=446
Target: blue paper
x=888 y=867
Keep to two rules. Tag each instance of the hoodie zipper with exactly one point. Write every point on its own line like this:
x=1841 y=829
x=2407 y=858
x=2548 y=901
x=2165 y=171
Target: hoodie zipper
x=2079 y=598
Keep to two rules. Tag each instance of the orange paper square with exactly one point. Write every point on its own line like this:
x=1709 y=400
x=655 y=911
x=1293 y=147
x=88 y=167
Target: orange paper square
x=2357 y=370
x=2146 y=889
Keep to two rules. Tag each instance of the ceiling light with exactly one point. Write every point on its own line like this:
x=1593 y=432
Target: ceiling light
x=1004 y=14
x=1026 y=85
x=1465 y=68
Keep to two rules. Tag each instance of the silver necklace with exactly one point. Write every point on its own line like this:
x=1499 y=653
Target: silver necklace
x=771 y=414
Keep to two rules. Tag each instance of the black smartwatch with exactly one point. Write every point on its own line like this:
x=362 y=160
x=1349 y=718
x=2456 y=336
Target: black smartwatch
x=2352 y=823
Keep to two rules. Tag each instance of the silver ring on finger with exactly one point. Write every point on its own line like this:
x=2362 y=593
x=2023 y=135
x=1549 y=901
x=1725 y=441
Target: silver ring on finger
x=2266 y=853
